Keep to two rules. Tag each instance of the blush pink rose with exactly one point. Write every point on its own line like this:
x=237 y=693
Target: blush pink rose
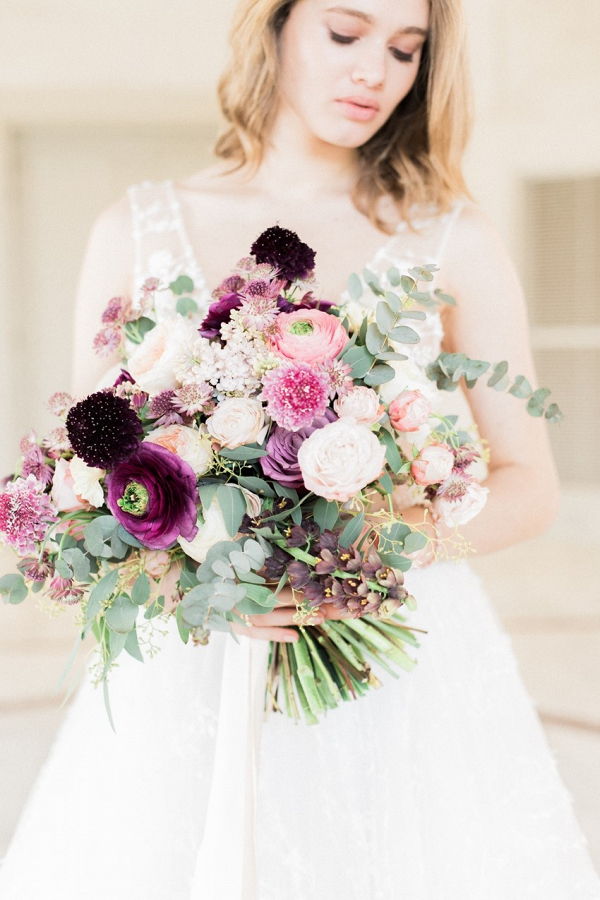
x=308 y=335
x=340 y=459
x=460 y=503
x=361 y=403
x=433 y=464
x=409 y=411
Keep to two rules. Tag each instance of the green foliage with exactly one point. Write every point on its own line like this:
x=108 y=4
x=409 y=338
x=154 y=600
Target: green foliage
x=186 y=305
x=140 y=593
x=326 y=513
x=355 y=288
x=352 y=530
x=13 y=589
x=244 y=453
x=121 y=616
x=182 y=285
x=233 y=507
x=392 y=454
x=256 y=485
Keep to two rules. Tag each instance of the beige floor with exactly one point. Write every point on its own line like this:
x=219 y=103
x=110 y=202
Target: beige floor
x=547 y=593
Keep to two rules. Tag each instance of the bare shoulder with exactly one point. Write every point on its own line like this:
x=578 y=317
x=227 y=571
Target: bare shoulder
x=216 y=180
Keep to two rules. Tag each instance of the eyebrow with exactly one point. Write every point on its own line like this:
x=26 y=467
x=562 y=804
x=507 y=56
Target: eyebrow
x=365 y=17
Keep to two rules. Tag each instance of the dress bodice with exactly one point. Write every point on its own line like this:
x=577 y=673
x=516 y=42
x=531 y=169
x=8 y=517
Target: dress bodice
x=163 y=250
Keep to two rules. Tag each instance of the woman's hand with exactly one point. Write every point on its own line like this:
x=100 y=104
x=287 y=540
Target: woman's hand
x=276 y=625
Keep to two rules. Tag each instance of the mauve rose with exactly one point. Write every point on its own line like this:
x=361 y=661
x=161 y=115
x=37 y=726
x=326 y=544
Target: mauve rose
x=409 y=411
x=433 y=464
x=219 y=312
x=310 y=336
x=158 y=496
x=282 y=462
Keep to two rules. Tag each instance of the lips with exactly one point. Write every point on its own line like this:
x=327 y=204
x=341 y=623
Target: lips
x=359 y=109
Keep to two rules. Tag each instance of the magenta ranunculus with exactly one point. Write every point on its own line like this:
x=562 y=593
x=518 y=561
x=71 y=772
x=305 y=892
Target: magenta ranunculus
x=219 y=312
x=282 y=462
x=153 y=495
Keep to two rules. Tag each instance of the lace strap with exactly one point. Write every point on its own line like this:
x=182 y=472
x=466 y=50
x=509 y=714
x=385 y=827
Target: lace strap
x=448 y=221
x=161 y=246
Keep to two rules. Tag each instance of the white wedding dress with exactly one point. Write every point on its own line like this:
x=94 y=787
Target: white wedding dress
x=438 y=786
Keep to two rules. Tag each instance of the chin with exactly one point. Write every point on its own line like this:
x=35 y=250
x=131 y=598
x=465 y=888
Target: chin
x=347 y=135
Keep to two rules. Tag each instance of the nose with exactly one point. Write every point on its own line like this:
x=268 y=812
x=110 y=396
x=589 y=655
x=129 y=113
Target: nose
x=369 y=68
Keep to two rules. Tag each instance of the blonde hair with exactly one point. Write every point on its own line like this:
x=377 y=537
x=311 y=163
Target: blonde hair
x=416 y=157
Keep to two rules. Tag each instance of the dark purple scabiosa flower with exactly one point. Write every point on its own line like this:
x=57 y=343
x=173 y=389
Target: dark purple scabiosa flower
x=282 y=462
x=103 y=429
x=284 y=250
x=218 y=313
x=153 y=495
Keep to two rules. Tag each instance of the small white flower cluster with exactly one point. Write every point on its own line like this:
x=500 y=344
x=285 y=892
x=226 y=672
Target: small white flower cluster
x=190 y=354
x=231 y=368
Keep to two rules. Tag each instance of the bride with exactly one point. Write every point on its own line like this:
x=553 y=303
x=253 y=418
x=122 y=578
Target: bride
x=345 y=123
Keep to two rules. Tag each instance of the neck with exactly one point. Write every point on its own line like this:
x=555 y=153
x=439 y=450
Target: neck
x=297 y=164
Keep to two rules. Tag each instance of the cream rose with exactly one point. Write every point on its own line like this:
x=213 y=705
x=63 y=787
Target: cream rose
x=454 y=511
x=62 y=493
x=210 y=533
x=362 y=404
x=340 y=459
x=433 y=464
x=409 y=377
x=237 y=421
x=190 y=444
x=86 y=482
x=153 y=362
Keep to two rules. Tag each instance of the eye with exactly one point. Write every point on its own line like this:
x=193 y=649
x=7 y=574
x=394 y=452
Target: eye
x=341 y=38
x=403 y=57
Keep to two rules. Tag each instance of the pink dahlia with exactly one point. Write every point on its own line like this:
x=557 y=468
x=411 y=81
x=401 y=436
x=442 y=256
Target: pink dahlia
x=25 y=513
x=295 y=394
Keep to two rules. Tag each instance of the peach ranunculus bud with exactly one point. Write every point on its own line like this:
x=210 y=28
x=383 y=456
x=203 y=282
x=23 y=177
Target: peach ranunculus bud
x=433 y=464
x=362 y=403
x=308 y=335
x=409 y=411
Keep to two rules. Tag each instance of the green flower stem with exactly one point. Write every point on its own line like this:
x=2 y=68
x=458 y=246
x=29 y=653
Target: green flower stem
x=305 y=674
x=370 y=634
x=333 y=692
x=288 y=685
x=395 y=632
x=338 y=655
x=330 y=628
x=309 y=715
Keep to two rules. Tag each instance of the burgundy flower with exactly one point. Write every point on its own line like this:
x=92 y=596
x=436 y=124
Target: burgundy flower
x=153 y=495
x=103 y=429
x=309 y=301
x=282 y=462
x=284 y=250
x=218 y=313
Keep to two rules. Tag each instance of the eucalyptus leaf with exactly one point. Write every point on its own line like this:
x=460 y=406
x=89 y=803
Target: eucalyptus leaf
x=233 y=507
x=391 y=355
x=417 y=314
x=521 y=388
x=127 y=538
x=394 y=302
x=222 y=569
x=375 y=340
x=500 y=370
x=186 y=305
x=393 y=276
x=359 y=359
x=255 y=552
x=404 y=335
x=352 y=530
x=260 y=594
x=240 y=562
x=64 y=570
x=187 y=580
x=156 y=608
x=121 y=616
x=395 y=560
x=326 y=513
x=79 y=563
x=385 y=316
x=100 y=593
x=184 y=631
x=244 y=453
x=13 y=589
x=207 y=493
x=94 y=538
x=140 y=592
x=386 y=483
x=395 y=534
x=372 y=280
x=132 y=645
x=355 y=288
x=256 y=485
x=116 y=641
x=379 y=374
x=407 y=284
x=553 y=413
x=414 y=541
x=422 y=273
x=444 y=298
x=118 y=548
x=182 y=285
x=392 y=454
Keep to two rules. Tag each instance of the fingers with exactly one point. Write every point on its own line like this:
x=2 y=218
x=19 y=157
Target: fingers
x=287 y=635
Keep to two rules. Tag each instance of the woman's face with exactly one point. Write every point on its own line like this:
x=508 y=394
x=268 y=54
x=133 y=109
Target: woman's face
x=346 y=64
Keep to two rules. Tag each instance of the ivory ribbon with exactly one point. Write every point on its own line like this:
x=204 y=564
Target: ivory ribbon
x=226 y=863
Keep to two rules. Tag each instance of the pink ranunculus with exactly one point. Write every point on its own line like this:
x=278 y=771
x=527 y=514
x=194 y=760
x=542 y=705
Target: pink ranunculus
x=457 y=507
x=433 y=464
x=308 y=335
x=62 y=493
x=340 y=459
x=409 y=411
x=362 y=403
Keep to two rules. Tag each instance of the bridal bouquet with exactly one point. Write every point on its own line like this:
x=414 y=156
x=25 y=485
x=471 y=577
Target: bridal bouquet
x=242 y=450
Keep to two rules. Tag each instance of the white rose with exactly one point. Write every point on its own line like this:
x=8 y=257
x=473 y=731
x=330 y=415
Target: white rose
x=153 y=362
x=190 y=444
x=340 y=459
x=362 y=404
x=86 y=482
x=355 y=313
x=210 y=533
x=237 y=421
x=460 y=510
x=409 y=377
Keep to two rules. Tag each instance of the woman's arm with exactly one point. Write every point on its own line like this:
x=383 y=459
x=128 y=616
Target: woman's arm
x=106 y=272
x=490 y=322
